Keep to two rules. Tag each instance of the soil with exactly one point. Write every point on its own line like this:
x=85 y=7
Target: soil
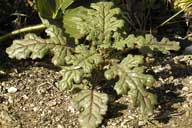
x=36 y=102
x=29 y=98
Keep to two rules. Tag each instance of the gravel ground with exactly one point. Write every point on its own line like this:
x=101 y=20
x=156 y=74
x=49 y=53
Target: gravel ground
x=29 y=98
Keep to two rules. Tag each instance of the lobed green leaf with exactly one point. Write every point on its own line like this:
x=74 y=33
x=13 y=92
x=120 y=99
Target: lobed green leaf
x=35 y=47
x=98 y=23
x=147 y=43
x=92 y=105
x=71 y=21
x=80 y=65
x=132 y=81
x=71 y=76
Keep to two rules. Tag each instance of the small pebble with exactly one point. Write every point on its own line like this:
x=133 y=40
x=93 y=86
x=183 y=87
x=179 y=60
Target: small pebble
x=25 y=97
x=52 y=103
x=185 y=89
x=141 y=123
x=59 y=126
x=12 y=90
x=113 y=124
x=71 y=109
x=35 y=109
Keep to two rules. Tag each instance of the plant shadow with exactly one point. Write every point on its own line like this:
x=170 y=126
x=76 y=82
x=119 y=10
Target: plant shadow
x=114 y=110
x=18 y=66
x=169 y=93
x=167 y=96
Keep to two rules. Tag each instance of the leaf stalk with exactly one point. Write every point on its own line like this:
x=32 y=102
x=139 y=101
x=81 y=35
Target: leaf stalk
x=22 y=30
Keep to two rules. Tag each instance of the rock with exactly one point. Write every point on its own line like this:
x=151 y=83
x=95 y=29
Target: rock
x=35 y=109
x=59 y=126
x=12 y=90
x=52 y=103
x=185 y=89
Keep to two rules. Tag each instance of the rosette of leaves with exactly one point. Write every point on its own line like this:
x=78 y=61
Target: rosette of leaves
x=80 y=63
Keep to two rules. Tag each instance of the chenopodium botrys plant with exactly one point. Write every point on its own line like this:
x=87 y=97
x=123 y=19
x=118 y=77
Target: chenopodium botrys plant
x=82 y=63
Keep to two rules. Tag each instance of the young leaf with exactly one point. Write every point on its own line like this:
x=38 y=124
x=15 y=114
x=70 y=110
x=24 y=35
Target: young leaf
x=71 y=76
x=71 y=19
x=86 y=59
x=100 y=23
x=132 y=81
x=35 y=47
x=148 y=42
x=92 y=105
x=82 y=63
x=49 y=8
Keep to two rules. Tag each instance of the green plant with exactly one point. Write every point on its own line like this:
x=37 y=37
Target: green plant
x=103 y=55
